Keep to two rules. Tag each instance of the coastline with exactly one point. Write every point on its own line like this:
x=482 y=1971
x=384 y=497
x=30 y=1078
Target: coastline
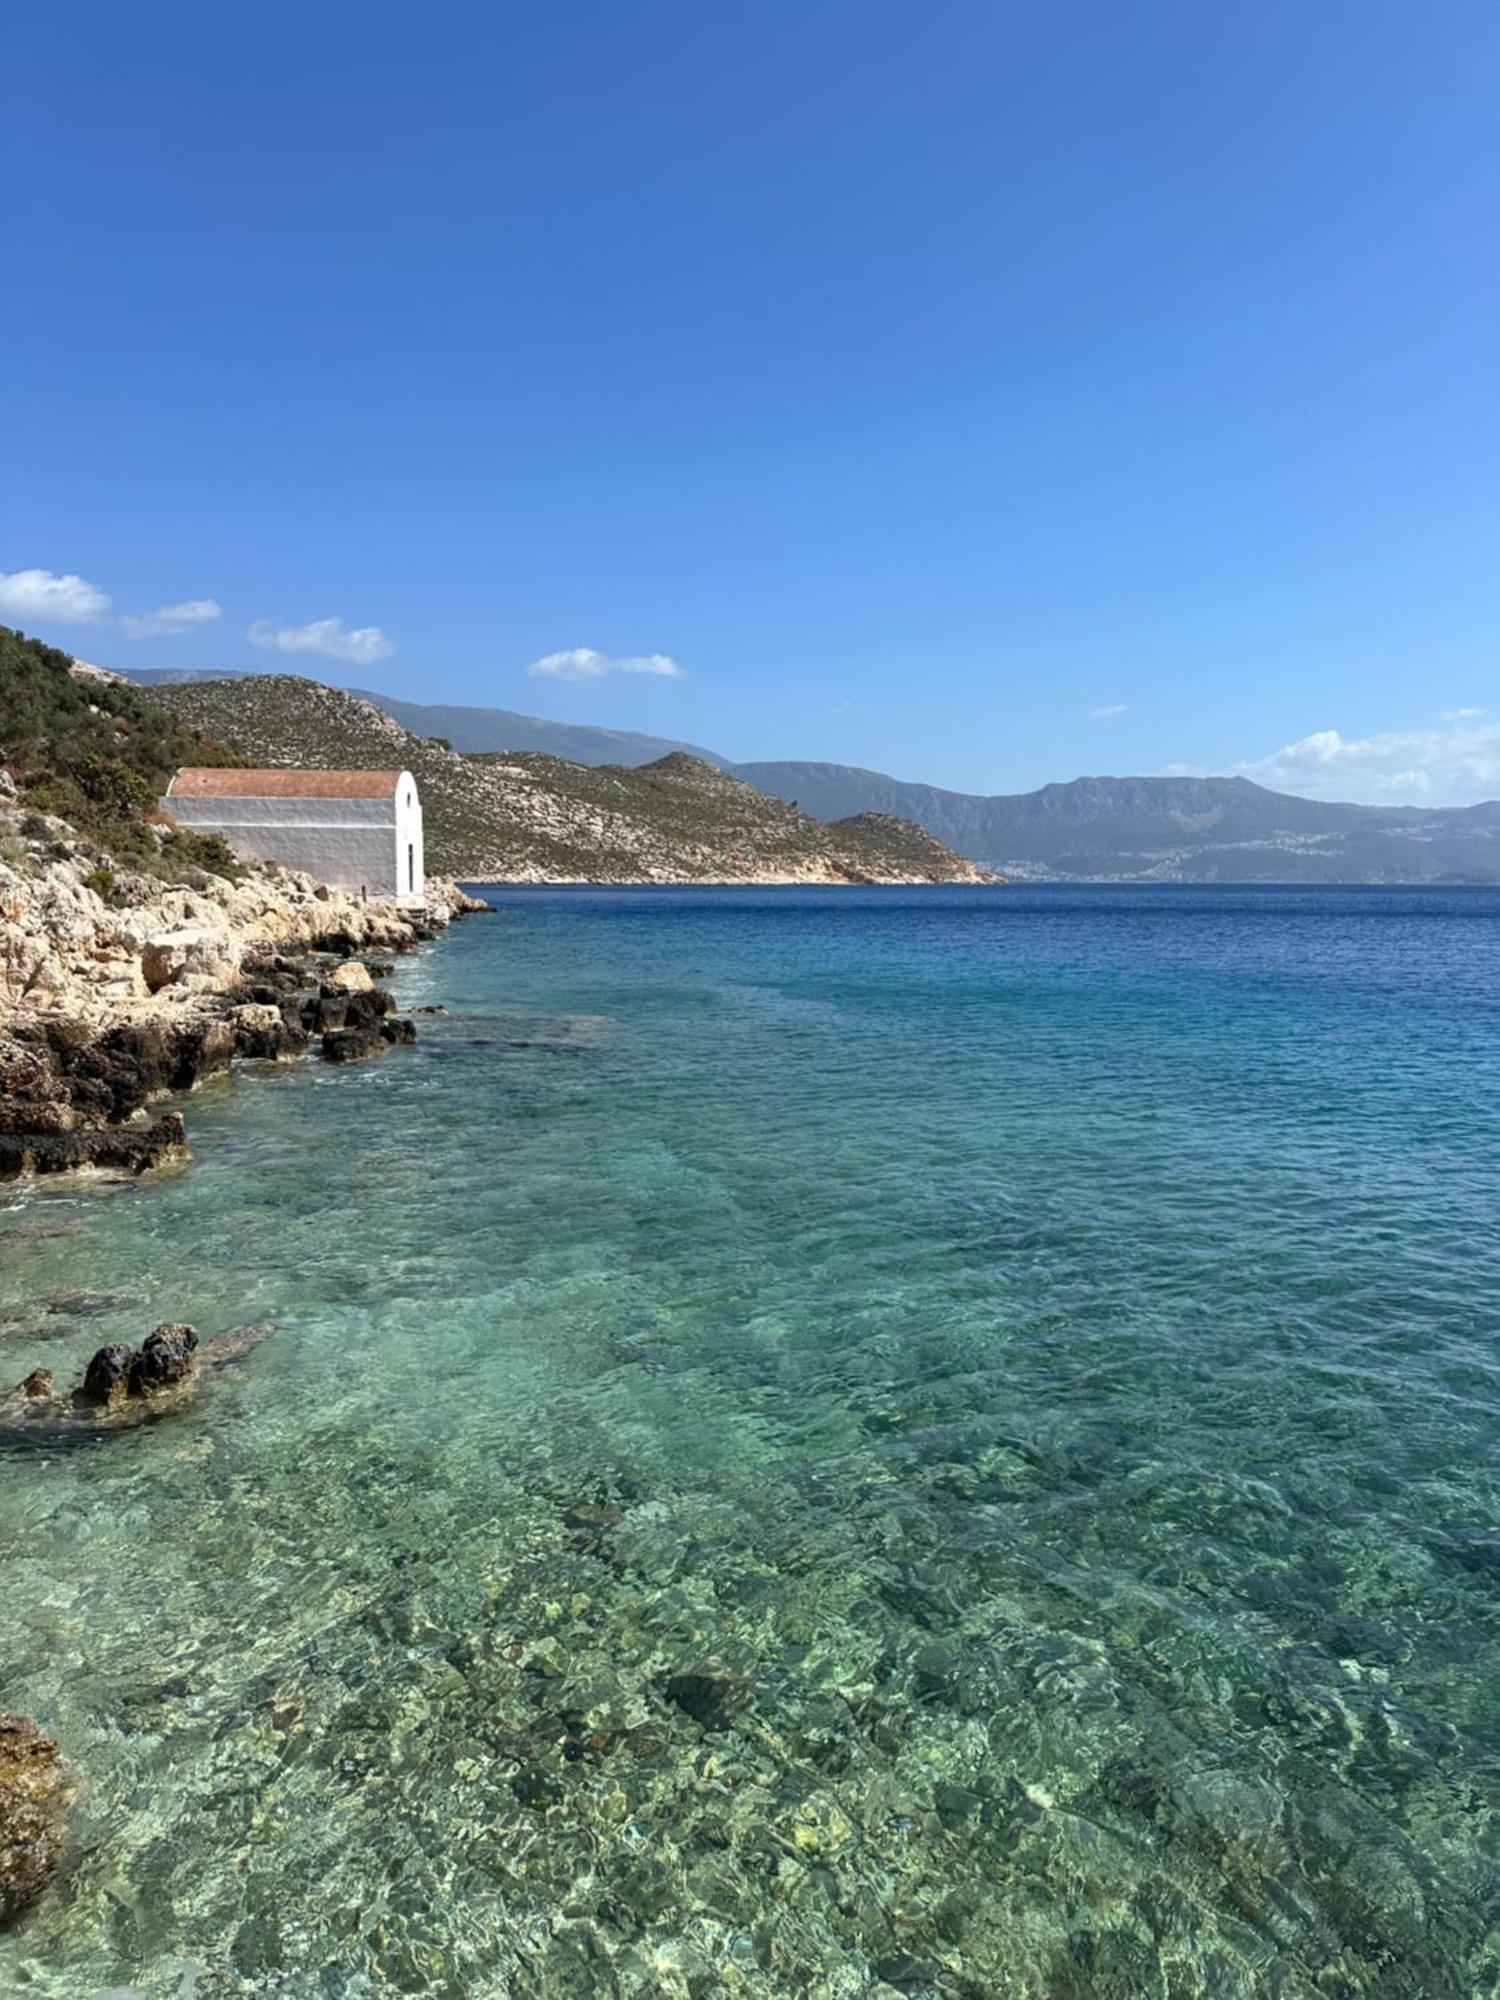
x=117 y=990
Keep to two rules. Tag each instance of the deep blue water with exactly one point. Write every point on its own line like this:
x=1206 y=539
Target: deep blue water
x=1031 y=1353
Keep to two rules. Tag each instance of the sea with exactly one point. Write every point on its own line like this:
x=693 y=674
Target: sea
x=817 y=1442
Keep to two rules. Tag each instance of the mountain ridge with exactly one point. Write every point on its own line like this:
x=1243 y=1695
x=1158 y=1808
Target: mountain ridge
x=1171 y=828
x=470 y=729
x=1092 y=828
x=525 y=816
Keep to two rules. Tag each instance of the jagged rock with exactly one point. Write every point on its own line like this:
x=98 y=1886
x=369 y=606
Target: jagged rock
x=262 y=1030
x=325 y=1012
x=106 y=1149
x=165 y=1358
x=35 y=1792
x=397 y=1029
x=37 y=1387
x=176 y=956
x=106 y=1380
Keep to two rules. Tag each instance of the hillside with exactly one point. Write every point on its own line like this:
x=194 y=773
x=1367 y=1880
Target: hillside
x=531 y=817
x=474 y=729
x=92 y=750
x=1164 y=829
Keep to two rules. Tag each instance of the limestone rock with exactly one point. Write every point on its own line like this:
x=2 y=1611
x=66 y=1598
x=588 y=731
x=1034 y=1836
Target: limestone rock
x=350 y=977
x=176 y=956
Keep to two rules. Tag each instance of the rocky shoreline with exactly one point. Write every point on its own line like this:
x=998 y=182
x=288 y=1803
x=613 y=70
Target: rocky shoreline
x=116 y=992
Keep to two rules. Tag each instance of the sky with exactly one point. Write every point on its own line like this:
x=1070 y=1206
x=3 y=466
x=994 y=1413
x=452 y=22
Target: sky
x=983 y=393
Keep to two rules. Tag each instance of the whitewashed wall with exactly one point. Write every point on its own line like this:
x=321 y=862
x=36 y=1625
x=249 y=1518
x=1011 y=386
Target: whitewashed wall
x=410 y=863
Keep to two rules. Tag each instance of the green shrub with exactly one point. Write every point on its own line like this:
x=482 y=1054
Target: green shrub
x=105 y=886
x=98 y=754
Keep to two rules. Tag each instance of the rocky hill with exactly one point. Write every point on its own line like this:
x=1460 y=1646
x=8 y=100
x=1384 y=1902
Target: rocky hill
x=467 y=728
x=530 y=817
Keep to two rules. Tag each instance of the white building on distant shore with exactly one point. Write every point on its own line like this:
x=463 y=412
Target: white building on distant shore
x=355 y=830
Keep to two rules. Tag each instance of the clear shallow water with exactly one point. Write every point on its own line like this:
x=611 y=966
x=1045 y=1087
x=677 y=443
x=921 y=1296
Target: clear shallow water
x=1040 y=1347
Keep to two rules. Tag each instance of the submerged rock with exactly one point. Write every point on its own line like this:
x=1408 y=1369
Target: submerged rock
x=34 y=1797
x=712 y=1698
x=236 y=1343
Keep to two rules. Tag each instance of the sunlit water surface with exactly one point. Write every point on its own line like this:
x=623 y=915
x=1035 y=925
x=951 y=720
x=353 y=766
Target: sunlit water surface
x=1034 y=1353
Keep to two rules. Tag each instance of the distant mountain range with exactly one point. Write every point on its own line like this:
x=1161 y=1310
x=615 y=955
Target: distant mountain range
x=1163 y=829
x=1141 y=829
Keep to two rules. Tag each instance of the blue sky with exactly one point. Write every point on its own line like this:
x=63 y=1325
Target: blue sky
x=983 y=393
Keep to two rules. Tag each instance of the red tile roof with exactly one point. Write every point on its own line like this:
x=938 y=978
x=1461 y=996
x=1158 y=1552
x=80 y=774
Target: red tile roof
x=204 y=782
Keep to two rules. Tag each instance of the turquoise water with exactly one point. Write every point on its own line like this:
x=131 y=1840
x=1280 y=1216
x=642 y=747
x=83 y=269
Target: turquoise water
x=1033 y=1354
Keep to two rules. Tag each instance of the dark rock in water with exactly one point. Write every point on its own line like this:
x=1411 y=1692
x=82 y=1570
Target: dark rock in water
x=592 y=1518
x=536 y=1786
x=397 y=1029
x=134 y=1150
x=264 y=1031
x=350 y=1045
x=166 y=1357
x=325 y=1013
x=34 y=1798
x=109 y=1077
x=367 y=1010
x=122 y=1388
x=714 y=1699
x=379 y=968
x=430 y=1009
x=106 y=1380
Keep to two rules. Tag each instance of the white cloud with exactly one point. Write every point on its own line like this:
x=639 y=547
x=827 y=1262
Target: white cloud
x=324 y=635
x=1457 y=764
x=1459 y=714
x=1109 y=708
x=582 y=663
x=169 y=619
x=45 y=599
